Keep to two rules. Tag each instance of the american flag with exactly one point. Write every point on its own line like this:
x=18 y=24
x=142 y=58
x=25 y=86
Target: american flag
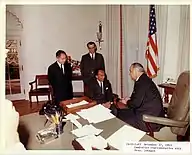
x=152 y=50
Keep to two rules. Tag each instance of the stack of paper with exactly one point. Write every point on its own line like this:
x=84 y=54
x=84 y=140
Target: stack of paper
x=123 y=135
x=90 y=141
x=77 y=104
x=73 y=118
x=96 y=114
x=86 y=130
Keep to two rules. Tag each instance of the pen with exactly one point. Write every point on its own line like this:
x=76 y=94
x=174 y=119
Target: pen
x=54 y=120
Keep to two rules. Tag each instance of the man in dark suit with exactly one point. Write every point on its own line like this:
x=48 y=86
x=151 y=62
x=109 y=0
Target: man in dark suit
x=90 y=62
x=60 y=78
x=100 y=90
x=145 y=99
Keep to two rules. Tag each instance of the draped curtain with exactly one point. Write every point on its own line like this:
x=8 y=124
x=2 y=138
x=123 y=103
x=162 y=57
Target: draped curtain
x=184 y=39
x=135 y=29
x=135 y=33
x=113 y=46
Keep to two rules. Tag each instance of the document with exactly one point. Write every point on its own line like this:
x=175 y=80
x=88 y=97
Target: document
x=90 y=141
x=86 y=130
x=123 y=135
x=96 y=114
x=77 y=124
x=77 y=104
x=72 y=117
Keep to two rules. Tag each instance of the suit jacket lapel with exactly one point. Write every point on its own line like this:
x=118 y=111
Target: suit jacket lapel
x=58 y=67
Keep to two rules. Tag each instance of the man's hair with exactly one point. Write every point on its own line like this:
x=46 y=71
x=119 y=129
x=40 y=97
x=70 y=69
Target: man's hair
x=97 y=71
x=92 y=43
x=138 y=66
x=59 y=52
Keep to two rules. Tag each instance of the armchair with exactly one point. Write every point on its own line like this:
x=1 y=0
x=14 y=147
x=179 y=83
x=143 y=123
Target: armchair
x=176 y=122
x=40 y=80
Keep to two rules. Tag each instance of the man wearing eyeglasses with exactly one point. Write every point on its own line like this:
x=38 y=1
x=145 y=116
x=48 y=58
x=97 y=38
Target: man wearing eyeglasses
x=145 y=99
x=89 y=63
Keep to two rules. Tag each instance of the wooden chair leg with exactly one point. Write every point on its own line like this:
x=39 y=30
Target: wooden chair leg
x=49 y=97
x=37 y=100
x=30 y=101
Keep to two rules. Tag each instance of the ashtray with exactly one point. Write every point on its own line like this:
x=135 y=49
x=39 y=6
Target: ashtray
x=46 y=135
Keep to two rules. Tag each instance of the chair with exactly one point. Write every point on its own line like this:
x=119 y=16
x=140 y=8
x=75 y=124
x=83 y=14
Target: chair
x=40 y=80
x=176 y=122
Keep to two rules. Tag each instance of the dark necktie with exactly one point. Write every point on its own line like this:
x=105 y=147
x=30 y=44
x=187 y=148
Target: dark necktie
x=62 y=68
x=92 y=56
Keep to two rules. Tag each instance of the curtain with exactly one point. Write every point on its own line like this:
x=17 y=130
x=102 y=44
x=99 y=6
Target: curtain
x=135 y=30
x=135 y=33
x=113 y=46
x=184 y=39
x=161 y=20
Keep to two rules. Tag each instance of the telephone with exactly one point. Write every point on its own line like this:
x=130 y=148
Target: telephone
x=170 y=81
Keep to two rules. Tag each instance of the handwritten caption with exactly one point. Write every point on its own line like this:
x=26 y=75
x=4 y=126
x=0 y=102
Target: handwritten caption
x=157 y=147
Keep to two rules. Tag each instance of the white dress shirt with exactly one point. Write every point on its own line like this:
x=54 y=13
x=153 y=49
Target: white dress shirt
x=137 y=79
x=101 y=83
x=62 y=66
x=92 y=56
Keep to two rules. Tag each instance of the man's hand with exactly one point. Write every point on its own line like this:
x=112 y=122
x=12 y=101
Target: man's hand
x=107 y=105
x=124 y=100
x=127 y=98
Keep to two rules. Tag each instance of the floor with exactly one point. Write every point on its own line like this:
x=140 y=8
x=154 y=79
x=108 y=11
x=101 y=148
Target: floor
x=23 y=107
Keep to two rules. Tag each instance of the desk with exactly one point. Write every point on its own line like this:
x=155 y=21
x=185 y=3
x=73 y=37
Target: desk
x=32 y=123
x=168 y=90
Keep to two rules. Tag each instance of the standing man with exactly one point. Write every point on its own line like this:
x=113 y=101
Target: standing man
x=60 y=78
x=145 y=99
x=90 y=62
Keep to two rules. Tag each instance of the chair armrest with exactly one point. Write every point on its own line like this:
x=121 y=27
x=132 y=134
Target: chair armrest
x=31 y=84
x=164 y=121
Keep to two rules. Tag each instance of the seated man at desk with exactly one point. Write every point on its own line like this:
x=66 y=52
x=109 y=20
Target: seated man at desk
x=99 y=89
x=145 y=99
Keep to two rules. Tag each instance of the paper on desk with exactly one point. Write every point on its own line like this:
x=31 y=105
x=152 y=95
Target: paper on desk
x=77 y=124
x=99 y=107
x=87 y=142
x=101 y=117
x=72 y=117
x=124 y=134
x=86 y=130
x=96 y=114
x=77 y=104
